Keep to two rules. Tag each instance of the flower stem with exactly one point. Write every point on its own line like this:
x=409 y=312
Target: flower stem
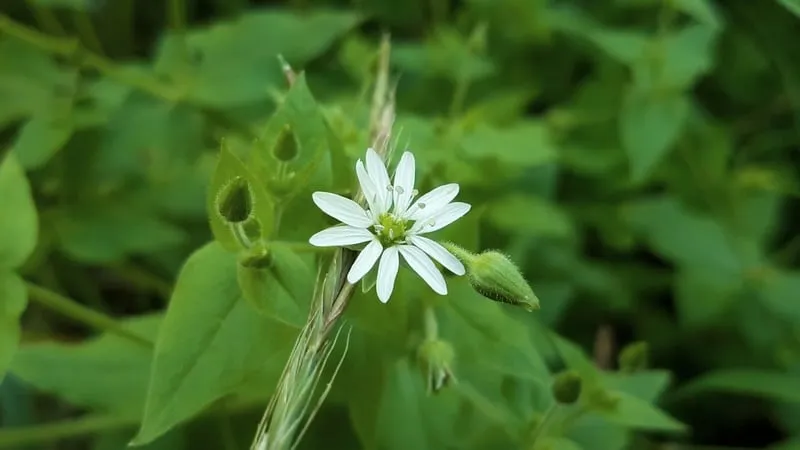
x=74 y=310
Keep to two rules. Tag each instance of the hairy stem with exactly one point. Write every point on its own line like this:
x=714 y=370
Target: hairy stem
x=290 y=410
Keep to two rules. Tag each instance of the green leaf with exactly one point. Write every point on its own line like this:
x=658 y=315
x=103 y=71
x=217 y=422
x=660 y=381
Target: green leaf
x=211 y=344
x=283 y=289
x=301 y=113
x=703 y=296
x=20 y=226
x=107 y=373
x=557 y=443
x=31 y=83
x=246 y=50
x=523 y=144
x=487 y=337
x=772 y=385
x=792 y=5
x=529 y=215
x=229 y=168
x=703 y=11
x=690 y=239
x=633 y=412
x=429 y=420
x=13 y=299
x=446 y=54
x=679 y=60
x=107 y=233
x=148 y=133
x=650 y=125
x=779 y=293
x=39 y=139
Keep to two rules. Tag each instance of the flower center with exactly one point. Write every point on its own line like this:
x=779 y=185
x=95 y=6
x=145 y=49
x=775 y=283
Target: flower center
x=390 y=229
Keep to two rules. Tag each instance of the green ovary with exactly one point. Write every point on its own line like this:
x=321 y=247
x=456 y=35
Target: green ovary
x=390 y=229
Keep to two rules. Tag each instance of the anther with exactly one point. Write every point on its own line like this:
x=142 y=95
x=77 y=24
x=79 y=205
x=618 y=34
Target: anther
x=399 y=189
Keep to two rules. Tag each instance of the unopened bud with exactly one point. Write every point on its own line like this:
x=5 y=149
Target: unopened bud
x=235 y=201
x=496 y=277
x=436 y=359
x=633 y=357
x=285 y=148
x=566 y=387
x=600 y=399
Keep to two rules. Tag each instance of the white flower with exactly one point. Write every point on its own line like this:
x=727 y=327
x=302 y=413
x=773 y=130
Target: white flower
x=393 y=225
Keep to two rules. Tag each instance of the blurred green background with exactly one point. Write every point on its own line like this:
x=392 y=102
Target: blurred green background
x=637 y=158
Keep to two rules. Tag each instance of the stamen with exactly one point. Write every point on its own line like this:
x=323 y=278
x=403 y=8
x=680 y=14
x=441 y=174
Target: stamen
x=421 y=205
x=391 y=233
x=389 y=188
x=414 y=192
x=399 y=189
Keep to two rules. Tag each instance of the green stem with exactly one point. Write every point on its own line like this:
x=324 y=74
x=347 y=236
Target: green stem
x=176 y=11
x=83 y=23
x=459 y=95
x=71 y=48
x=144 y=280
x=74 y=310
x=431 y=324
x=46 y=19
x=541 y=429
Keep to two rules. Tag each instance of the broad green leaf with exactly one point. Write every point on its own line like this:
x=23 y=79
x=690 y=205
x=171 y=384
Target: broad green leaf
x=679 y=59
x=529 y=215
x=31 y=82
x=148 y=135
x=648 y=385
x=773 y=385
x=211 y=344
x=107 y=373
x=110 y=232
x=627 y=47
x=246 y=50
x=690 y=239
x=282 y=290
x=650 y=125
x=19 y=226
x=593 y=432
x=229 y=168
x=523 y=144
x=446 y=54
x=300 y=112
x=487 y=337
x=704 y=296
x=633 y=412
x=703 y=11
x=779 y=293
x=13 y=299
x=429 y=419
x=39 y=139
x=792 y=5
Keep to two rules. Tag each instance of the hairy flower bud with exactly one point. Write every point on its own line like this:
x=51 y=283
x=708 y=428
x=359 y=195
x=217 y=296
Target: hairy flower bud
x=496 y=277
x=566 y=387
x=235 y=201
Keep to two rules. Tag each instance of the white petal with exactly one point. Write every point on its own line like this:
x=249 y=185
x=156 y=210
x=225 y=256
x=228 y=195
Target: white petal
x=432 y=202
x=387 y=273
x=380 y=178
x=443 y=218
x=424 y=267
x=438 y=253
x=404 y=182
x=340 y=235
x=368 y=187
x=364 y=262
x=342 y=209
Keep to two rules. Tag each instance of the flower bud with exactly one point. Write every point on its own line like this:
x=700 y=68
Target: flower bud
x=633 y=357
x=600 y=399
x=436 y=359
x=496 y=277
x=285 y=148
x=566 y=387
x=235 y=201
